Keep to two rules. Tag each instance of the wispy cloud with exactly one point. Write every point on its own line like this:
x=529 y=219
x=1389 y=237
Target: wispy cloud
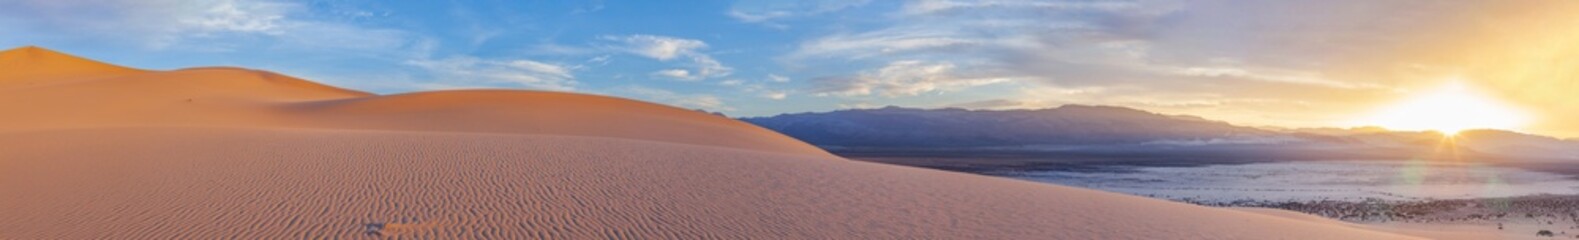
x=904 y=78
x=1166 y=49
x=938 y=6
x=694 y=101
x=758 y=88
x=660 y=47
x=214 y=25
x=680 y=74
x=752 y=17
x=765 y=11
x=664 y=48
x=483 y=72
x=778 y=78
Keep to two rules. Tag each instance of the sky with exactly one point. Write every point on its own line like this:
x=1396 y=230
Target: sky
x=1258 y=63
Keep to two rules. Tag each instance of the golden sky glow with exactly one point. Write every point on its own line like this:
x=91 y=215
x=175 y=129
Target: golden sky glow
x=1449 y=109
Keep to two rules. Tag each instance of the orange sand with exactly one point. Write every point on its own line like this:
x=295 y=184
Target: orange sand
x=95 y=151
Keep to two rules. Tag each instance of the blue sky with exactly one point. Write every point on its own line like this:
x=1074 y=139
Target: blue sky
x=1288 y=63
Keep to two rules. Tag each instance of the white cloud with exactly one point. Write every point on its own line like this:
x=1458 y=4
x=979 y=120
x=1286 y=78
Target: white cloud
x=680 y=74
x=776 y=95
x=1281 y=76
x=885 y=42
x=472 y=71
x=238 y=16
x=192 y=24
x=707 y=67
x=859 y=105
x=757 y=17
x=660 y=47
x=665 y=48
x=693 y=101
x=762 y=11
x=151 y=23
x=937 y=6
x=904 y=78
x=757 y=88
x=929 y=47
x=777 y=78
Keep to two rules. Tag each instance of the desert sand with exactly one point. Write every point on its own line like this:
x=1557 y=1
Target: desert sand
x=90 y=150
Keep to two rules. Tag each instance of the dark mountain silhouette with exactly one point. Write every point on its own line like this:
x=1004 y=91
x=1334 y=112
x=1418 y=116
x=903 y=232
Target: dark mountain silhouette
x=1108 y=129
x=953 y=127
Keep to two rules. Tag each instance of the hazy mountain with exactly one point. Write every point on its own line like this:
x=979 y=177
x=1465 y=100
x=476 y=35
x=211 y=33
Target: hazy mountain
x=1077 y=128
x=952 y=127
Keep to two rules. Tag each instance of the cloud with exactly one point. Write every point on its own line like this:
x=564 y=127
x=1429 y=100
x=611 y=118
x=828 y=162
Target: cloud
x=192 y=24
x=776 y=95
x=757 y=88
x=472 y=71
x=763 y=11
x=660 y=47
x=152 y=23
x=233 y=16
x=998 y=104
x=680 y=74
x=664 y=48
x=1190 y=57
x=777 y=78
x=938 y=6
x=1281 y=76
x=903 y=78
x=1256 y=140
x=693 y=101
x=886 y=42
x=758 y=16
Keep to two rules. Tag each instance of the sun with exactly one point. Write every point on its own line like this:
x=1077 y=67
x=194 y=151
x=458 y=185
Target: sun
x=1449 y=109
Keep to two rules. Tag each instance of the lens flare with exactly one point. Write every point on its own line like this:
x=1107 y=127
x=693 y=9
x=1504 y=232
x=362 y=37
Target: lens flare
x=1449 y=110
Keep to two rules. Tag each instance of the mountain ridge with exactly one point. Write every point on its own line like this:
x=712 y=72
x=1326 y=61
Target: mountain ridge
x=1117 y=129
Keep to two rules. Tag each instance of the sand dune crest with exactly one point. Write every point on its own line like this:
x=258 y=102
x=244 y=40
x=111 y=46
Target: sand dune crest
x=227 y=96
x=31 y=64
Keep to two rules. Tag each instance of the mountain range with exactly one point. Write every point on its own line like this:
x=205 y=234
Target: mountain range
x=1120 y=130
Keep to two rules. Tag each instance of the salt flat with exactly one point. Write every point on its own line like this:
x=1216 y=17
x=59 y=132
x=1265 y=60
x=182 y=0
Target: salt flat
x=1300 y=181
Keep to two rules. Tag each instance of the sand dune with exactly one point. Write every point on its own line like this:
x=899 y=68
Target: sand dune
x=243 y=97
x=250 y=183
x=118 y=153
x=499 y=111
x=32 y=65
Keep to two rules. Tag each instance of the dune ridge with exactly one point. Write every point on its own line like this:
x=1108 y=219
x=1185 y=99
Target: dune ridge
x=232 y=153
x=31 y=64
x=228 y=96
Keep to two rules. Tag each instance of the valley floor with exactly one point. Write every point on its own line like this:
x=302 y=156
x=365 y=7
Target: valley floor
x=1281 y=189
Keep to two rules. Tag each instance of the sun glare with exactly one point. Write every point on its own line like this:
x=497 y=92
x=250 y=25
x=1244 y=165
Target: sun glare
x=1448 y=110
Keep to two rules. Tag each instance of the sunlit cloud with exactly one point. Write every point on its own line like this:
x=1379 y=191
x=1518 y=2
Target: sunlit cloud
x=694 y=101
x=760 y=11
x=904 y=78
x=212 y=25
x=665 y=48
x=524 y=73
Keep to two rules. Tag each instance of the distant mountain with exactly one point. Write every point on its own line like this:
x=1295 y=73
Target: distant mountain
x=953 y=127
x=1108 y=129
